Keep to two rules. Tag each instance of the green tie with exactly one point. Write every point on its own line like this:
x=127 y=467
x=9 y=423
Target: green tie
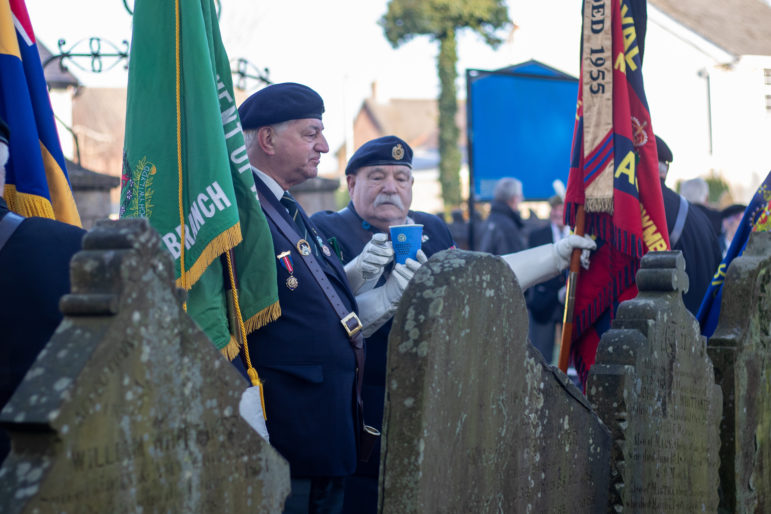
x=290 y=203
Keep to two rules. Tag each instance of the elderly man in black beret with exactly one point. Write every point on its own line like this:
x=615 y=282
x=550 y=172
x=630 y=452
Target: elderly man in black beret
x=379 y=176
x=310 y=359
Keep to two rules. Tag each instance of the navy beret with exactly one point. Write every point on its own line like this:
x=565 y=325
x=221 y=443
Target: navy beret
x=665 y=154
x=280 y=102
x=732 y=210
x=4 y=132
x=383 y=150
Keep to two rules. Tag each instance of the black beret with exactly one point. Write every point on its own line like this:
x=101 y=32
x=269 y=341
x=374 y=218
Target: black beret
x=4 y=132
x=665 y=154
x=280 y=102
x=732 y=210
x=383 y=150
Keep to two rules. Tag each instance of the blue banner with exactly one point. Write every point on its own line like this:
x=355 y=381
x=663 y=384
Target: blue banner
x=756 y=218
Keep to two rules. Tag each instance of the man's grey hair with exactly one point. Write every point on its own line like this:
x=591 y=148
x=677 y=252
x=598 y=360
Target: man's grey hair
x=507 y=188
x=695 y=190
x=250 y=135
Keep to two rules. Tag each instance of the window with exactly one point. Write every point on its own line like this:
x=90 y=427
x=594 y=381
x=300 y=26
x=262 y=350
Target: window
x=767 y=73
x=768 y=104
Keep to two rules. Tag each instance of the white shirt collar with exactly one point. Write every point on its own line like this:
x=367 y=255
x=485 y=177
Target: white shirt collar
x=269 y=181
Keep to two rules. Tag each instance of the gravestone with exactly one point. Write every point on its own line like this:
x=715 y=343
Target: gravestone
x=475 y=420
x=653 y=385
x=130 y=408
x=740 y=349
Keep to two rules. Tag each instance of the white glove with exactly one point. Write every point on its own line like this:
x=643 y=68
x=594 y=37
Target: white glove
x=250 y=408
x=541 y=263
x=564 y=248
x=364 y=271
x=378 y=305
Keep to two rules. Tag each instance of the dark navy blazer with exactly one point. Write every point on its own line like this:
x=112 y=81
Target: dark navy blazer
x=34 y=274
x=307 y=366
x=351 y=233
x=700 y=247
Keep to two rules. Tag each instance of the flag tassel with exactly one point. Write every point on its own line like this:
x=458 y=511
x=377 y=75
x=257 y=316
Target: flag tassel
x=241 y=333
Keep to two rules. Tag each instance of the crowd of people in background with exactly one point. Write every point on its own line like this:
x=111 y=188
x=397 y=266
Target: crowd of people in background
x=701 y=229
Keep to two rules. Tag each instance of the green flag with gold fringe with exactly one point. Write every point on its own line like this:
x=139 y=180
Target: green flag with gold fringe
x=185 y=167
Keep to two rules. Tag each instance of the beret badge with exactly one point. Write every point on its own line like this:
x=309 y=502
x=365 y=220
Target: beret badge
x=398 y=152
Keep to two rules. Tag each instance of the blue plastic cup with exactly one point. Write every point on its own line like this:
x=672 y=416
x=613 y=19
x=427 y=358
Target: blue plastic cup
x=406 y=240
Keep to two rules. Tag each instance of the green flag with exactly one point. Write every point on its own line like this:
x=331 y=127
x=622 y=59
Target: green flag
x=185 y=166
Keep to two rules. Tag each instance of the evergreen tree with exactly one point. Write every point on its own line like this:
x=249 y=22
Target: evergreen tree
x=441 y=20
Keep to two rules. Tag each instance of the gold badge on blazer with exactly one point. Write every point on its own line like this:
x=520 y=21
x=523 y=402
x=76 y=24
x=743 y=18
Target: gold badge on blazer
x=303 y=247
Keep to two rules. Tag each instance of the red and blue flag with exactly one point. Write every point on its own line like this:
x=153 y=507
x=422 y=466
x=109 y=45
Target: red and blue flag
x=36 y=177
x=614 y=170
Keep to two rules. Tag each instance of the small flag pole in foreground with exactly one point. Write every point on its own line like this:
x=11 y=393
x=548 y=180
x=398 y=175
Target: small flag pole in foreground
x=36 y=176
x=613 y=174
x=186 y=169
x=756 y=218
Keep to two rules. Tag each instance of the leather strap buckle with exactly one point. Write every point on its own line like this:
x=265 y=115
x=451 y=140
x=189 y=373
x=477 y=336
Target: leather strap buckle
x=352 y=324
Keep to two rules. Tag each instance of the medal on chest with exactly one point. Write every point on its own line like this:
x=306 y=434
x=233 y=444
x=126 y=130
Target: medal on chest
x=285 y=258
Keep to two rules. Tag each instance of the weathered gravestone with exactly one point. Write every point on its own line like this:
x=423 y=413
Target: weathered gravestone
x=475 y=420
x=741 y=352
x=130 y=408
x=654 y=386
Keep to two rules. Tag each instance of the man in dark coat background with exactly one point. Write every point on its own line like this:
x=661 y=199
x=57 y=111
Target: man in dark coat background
x=504 y=231
x=35 y=256
x=691 y=232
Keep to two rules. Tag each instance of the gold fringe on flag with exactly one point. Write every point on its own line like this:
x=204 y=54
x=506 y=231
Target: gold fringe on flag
x=230 y=350
x=262 y=318
x=27 y=205
x=219 y=245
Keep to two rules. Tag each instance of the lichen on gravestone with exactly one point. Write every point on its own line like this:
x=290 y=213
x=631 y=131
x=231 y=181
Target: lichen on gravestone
x=130 y=408
x=475 y=420
x=653 y=385
x=740 y=349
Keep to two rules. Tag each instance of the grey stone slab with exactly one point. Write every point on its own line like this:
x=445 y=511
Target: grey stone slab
x=740 y=349
x=653 y=385
x=475 y=420
x=130 y=408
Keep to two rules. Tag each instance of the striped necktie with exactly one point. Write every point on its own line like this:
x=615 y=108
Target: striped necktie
x=290 y=203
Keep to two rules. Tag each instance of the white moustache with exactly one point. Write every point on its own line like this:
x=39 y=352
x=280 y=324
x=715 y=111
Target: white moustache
x=387 y=198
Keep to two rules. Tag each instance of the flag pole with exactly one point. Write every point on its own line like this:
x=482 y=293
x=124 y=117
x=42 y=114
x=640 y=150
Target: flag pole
x=570 y=296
